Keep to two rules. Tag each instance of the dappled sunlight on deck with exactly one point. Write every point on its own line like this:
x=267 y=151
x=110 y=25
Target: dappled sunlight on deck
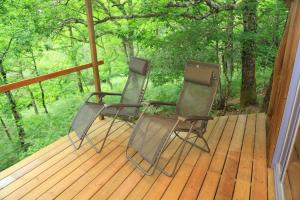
x=235 y=168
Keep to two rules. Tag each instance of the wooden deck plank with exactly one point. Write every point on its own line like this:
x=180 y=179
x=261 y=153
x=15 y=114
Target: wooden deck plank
x=243 y=182
x=18 y=170
x=235 y=168
x=227 y=181
x=210 y=183
x=158 y=188
x=177 y=184
x=53 y=186
x=259 y=177
x=121 y=171
x=41 y=153
x=32 y=179
x=69 y=157
x=136 y=176
x=143 y=186
x=130 y=182
x=271 y=184
x=192 y=187
x=57 y=189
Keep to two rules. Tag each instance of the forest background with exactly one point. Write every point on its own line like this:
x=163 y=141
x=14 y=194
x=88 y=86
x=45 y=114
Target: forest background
x=39 y=37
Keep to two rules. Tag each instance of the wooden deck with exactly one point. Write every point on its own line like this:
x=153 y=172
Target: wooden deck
x=236 y=168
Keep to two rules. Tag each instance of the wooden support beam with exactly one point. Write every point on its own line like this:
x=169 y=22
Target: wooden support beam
x=282 y=75
x=91 y=31
x=19 y=84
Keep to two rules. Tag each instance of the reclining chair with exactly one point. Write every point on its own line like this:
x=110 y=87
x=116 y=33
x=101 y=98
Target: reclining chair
x=127 y=109
x=152 y=132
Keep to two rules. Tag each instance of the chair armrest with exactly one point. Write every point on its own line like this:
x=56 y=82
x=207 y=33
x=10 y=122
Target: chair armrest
x=195 y=118
x=102 y=94
x=159 y=103
x=123 y=105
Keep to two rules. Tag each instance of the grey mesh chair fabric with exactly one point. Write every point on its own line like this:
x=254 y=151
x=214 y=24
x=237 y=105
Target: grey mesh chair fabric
x=127 y=109
x=152 y=132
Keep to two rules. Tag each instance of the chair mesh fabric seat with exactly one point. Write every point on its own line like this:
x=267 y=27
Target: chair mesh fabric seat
x=151 y=132
x=86 y=115
x=89 y=112
x=148 y=135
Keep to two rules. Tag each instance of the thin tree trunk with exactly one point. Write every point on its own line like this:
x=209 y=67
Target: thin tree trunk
x=108 y=64
x=248 y=87
x=16 y=114
x=129 y=41
x=33 y=103
x=40 y=84
x=222 y=95
x=5 y=129
x=74 y=60
x=227 y=58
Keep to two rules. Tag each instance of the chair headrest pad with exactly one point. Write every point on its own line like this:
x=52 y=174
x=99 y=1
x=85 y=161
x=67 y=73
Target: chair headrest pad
x=139 y=65
x=199 y=75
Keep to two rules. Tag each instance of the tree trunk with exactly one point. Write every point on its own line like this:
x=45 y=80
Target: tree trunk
x=74 y=60
x=128 y=42
x=248 y=87
x=16 y=114
x=221 y=103
x=40 y=84
x=5 y=128
x=227 y=58
x=128 y=46
x=33 y=103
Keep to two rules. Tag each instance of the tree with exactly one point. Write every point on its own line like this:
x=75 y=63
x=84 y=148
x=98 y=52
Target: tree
x=248 y=86
x=33 y=103
x=5 y=129
x=17 y=116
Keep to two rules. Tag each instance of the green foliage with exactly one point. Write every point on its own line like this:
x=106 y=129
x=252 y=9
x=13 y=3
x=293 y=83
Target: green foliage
x=41 y=38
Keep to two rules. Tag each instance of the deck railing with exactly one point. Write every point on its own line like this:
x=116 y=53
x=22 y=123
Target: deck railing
x=30 y=81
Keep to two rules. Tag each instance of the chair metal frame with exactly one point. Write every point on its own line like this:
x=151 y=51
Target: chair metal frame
x=190 y=119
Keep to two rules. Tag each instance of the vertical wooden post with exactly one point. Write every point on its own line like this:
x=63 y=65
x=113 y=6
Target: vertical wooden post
x=91 y=31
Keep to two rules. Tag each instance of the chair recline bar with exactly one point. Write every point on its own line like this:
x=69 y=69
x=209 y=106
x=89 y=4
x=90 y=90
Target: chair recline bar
x=127 y=109
x=152 y=132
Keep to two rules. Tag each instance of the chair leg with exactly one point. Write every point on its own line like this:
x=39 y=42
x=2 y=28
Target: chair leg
x=73 y=142
x=107 y=133
x=146 y=172
x=185 y=140
x=130 y=124
x=207 y=149
x=92 y=144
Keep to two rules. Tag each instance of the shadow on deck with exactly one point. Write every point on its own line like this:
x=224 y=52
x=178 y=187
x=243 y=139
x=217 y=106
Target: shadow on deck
x=236 y=168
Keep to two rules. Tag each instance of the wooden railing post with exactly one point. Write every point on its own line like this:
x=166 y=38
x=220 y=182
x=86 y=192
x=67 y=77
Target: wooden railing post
x=91 y=31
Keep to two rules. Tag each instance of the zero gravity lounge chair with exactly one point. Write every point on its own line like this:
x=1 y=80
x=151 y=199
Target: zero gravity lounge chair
x=127 y=109
x=152 y=132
